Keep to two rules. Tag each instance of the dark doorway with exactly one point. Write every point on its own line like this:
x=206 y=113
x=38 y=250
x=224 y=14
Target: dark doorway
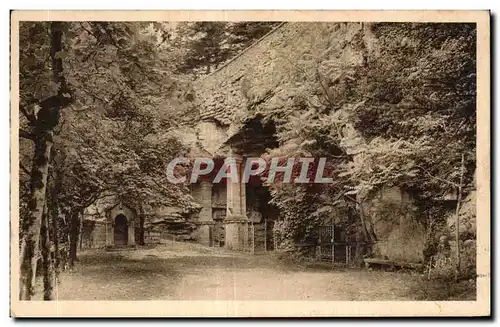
x=121 y=230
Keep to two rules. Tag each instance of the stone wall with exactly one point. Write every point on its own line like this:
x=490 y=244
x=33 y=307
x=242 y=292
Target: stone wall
x=94 y=235
x=151 y=237
x=99 y=235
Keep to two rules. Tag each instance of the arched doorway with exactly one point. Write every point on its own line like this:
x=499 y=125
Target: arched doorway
x=121 y=230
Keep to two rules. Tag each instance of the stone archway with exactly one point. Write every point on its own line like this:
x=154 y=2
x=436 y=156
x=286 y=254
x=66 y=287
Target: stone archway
x=120 y=234
x=120 y=226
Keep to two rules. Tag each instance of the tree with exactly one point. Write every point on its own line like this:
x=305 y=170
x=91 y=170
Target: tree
x=206 y=48
x=422 y=87
x=207 y=45
x=242 y=34
x=117 y=84
x=134 y=95
x=43 y=116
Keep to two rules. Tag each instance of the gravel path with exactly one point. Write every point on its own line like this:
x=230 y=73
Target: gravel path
x=181 y=271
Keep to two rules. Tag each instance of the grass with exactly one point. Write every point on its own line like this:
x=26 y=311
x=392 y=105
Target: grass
x=444 y=290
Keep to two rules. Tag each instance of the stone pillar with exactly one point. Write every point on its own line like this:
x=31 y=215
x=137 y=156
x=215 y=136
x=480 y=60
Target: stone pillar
x=205 y=220
x=131 y=232
x=236 y=222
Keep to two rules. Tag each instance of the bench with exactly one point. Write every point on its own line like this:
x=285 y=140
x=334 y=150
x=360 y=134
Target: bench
x=383 y=262
x=392 y=264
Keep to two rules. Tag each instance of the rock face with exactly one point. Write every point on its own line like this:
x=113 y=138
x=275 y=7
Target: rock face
x=467 y=216
x=168 y=223
x=467 y=232
x=268 y=74
x=401 y=235
x=211 y=136
x=275 y=73
x=394 y=218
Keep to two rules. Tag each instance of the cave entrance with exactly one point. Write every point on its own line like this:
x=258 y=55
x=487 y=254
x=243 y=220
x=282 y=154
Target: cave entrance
x=256 y=136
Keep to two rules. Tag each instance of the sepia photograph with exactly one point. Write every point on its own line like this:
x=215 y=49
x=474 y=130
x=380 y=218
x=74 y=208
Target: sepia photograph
x=250 y=163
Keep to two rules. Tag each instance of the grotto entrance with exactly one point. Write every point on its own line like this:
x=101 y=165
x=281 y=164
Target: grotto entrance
x=248 y=223
x=261 y=216
x=121 y=230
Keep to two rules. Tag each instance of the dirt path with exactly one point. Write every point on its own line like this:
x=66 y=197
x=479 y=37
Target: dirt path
x=192 y=272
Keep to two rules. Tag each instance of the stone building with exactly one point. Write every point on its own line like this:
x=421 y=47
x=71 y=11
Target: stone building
x=111 y=223
x=110 y=226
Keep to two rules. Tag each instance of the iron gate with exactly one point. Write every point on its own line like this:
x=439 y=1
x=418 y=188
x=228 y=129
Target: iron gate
x=332 y=244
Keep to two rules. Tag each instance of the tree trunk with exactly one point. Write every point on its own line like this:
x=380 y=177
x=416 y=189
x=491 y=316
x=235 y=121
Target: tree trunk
x=73 y=238
x=31 y=225
x=54 y=184
x=46 y=119
x=141 y=229
x=48 y=275
x=362 y=218
x=81 y=234
x=457 y=217
x=363 y=222
x=55 y=226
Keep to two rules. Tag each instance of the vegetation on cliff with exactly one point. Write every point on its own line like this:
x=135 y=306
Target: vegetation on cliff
x=402 y=115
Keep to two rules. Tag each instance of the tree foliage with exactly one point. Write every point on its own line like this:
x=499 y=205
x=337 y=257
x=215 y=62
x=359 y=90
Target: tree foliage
x=207 y=45
x=115 y=138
